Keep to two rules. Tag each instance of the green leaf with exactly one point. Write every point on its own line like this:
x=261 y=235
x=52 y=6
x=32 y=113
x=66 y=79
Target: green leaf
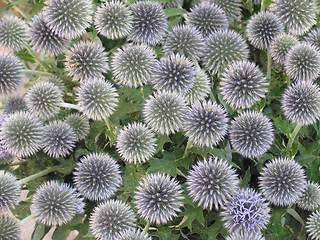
x=193 y=213
x=296 y=216
x=164 y=233
x=215 y=228
x=132 y=174
x=25 y=56
x=283 y=125
x=39 y=231
x=162 y=139
x=170 y=12
x=246 y=179
x=61 y=232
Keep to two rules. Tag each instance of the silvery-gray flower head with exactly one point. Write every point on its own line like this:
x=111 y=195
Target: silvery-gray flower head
x=13 y=33
x=251 y=134
x=10 y=228
x=80 y=125
x=302 y=62
x=86 y=60
x=15 y=104
x=280 y=46
x=211 y=183
x=113 y=19
x=310 y=199
x=222 y=48
x=313 y=225
x=133 y=234
x=97 y=176
x=282 y=181
x=97 y=99
x=56 y=81
x=164 y=112
x=5 y=157
x=231 y=7
x=245 y=236
x=110 y=218
x=158 y=198
x=243 y=84
x=132 y=65
x=22 y=134
x=10 y=190
x=149 y=23
x=301 y=102
x=56 y=203
x=313 y=37
x=136 y=143
x=68 y=18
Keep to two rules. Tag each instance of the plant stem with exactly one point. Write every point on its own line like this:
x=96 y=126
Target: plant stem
x=25 y=220
x=35 y=72
x=269 y=65
x=293 y=135
x=37 y=175
x=106 y=120
x=69 y=105
x=36 y=57
x=186 y=152
x=146 y=228
x=264 y=4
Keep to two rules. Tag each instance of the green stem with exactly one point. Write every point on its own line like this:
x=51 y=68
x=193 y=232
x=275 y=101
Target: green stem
x=34 y=55
x=37 y=175
x=293 y=135
x=186 y=152
x=27 y=219
x=69 y=105
x=106 y=120
x=35 y=72
x=264 y=4
x=146 y=228
x=269 y=65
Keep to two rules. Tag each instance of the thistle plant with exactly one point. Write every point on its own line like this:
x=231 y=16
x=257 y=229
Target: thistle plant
x=280 y=45
x=231 y=7
x=313 y=225
x=310 y=199
x=245 y=236
x=15 y=104
x=313 y=37
x=80 y=125
x=10 y=228
x=130 y=234
x=10 y=190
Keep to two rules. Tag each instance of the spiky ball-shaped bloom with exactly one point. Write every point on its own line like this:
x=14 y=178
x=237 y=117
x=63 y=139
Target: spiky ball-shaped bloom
x=243 y=84
x=313 y=225
x=149 y=23
x=184 y=39
x=282 y=181
x=222 y=48
x=110 y=218
x=205 y=123
x=80 y=125
x=22 y=134
x=10 y=228
x=5 y=157
x=245 y=236
x=13 y=33
x=59 y=139
x=246 y=211
x=132 y=65
x=44 y=99
x=15 y=104
x=313 y=37
x=56 y=81
x=136 y=143
x=232 y=8
x=310 y=200
x=56 y=203
x=86 y=60
x=262 y=28
x=158 y=198
x=174 y=73
x=251 y=134
x=133 y=234
x=10 y=190
x=280 y=46
x=97 y=99
x=207 y=18
x=11 y=72
x=113 y=19
x=164 y=112
x=303 y=62
x=211 y=183
x=301 y=102
x=68 y=18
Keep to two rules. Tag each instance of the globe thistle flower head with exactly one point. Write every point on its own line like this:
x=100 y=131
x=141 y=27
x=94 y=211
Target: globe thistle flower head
x=313 y=225
x=136 y=143
x=5 y=157
x=149 y=23
x=245 y=236
x=280 y=46
x=56 y=81
x=15 y=104
x=251 y=134
x=86 y=60
x=10 y=190
x=232 y=8
x=131 y=234
x=158 y=198
x=310 y=200
x=10 y=228
x=80 y=125
x=282 y=181
x=243 y=84
x=132 y=65
x=301 y=102
x=113 y=20
x=110 y=218
x=313 y=37
x=97 y=99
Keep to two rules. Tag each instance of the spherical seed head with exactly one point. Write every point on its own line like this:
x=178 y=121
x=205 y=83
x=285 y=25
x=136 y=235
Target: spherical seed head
x=113 y=19
x=158 y=198
x=56 y=81
x=5 y=157
x=149 y=23
x=68 y=18
x=15 y=104
x=132 y=65
x=313 y=225
x=245 y=236
x=10 y=228
x=282 y=181
x=97 y=99
x=310 y=199
x=232 y=8
x=133 y=234
x=222 y=48
x=10 y=190
x=313 y=37
x=164 y=112
x=251 y=134
x=243 y=84
x=280 y=46
x=80 y=125
x=301 y=102
x=110 y=218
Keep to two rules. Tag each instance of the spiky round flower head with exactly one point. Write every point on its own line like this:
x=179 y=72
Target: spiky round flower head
x=68 y=18
x=13 y=33
x=15 y=104
x=222 y=48
x=59 y=139
x=158 y=198
x=113 y=19
x=97 y=99
x=313 y=225
x=5 y=157
x=207 y=18
x=56 y=203
x=110 y=218
x=10 y=228
x=136 y=143
x=243 y=84
x=301 y=102
x=149 y=23
x=10 y=190
x=280 y=46
x=251 y=134
x=164 y=112
x=56 y=81
x=211 y=183
x=21 y=134
x=303 y=62
x=310 y=199
x=282 y=181
x=262 y=28
x=245 y=236
x=86 y=60
x=132 y=65
x=313 y=37
x=80 y=125
x=232 y=8
x=133 y=234
x=97 y=176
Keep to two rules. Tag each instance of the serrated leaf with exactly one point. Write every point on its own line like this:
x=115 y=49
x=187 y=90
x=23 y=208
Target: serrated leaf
x=192 y=213
x=170 y=12
x=162 y=139
x=164 y=233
